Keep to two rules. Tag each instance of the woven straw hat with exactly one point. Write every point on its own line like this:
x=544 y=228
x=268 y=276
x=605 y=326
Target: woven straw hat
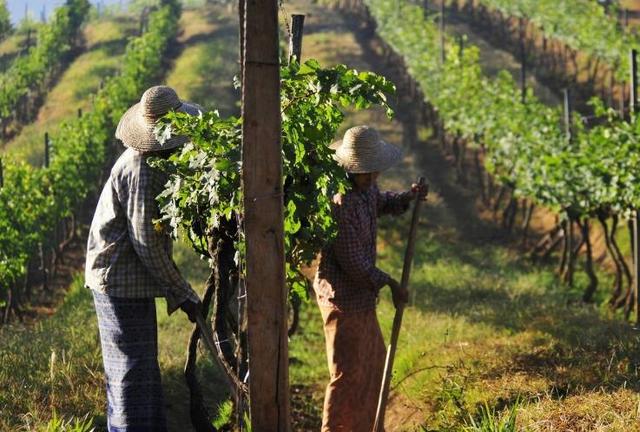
x=137 y=125
x=362 y=151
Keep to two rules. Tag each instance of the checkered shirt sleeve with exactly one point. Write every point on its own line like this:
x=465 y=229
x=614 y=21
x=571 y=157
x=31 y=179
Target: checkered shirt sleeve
x=394 y=203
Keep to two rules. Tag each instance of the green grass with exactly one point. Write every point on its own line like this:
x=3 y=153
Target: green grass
x=106 y=41
x=204 y=71
x=55 y=366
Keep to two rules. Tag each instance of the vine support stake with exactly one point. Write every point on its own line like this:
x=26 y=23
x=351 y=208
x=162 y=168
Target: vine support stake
x=47 y=149
x=295 y=39
x=264 y=220
x=567 y=114
x=1 y=174
x=443 y=55
x=523 y=61
x=625 y=18
x=633 y=104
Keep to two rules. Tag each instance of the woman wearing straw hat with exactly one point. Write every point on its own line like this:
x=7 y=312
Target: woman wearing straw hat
x=129 y=263
x=347 y=283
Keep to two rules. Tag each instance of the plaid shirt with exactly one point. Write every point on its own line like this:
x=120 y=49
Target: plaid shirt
x=127 y=256
x=347 y=277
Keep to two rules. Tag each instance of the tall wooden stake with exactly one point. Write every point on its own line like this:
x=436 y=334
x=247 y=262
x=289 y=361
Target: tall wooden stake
x=633 y=104
x=1 y=175
x=442 y=29
x=626 y=18
x=523 y=62
x=295 y=41
x=567 y=114
x=263 y=220
x=47 y=150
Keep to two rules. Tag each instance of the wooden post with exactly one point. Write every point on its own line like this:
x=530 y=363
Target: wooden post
x=263 y=220
x=79 y=112
x=622 y=101
x=1 y=175
x=633 y=104
x=567 y=114
x=295 y=41
x=626 y=18
x=443 y=55
x=523 y=62
x=612 y=86
x=47 y=149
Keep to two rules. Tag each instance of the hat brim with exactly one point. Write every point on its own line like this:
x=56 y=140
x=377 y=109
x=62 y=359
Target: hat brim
x=386 y=156
x=138 y=132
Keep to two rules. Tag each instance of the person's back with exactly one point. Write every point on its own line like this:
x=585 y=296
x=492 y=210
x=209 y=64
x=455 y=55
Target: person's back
x=129 y=264
x=113 y=266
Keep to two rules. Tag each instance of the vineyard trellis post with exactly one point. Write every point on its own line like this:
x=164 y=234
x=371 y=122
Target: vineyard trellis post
x=625 y=19
x=442 y=30
x=567 y=114
x=47 y=150
x=264 y=219
x=295 y=39
x=633 y=102
x=523 y=60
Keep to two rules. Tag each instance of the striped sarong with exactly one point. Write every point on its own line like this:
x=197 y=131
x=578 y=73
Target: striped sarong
x=129 y=339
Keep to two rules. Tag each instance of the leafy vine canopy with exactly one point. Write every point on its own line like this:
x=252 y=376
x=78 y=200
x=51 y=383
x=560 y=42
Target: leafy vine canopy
x=204 y=195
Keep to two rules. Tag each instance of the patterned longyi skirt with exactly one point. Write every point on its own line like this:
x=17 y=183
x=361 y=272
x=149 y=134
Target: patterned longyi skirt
x=129 y=339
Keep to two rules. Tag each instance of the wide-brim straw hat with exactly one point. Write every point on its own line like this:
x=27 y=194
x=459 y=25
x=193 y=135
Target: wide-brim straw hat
x=136 y=128
x=363 y=151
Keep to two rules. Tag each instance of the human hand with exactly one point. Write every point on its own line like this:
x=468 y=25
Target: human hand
x=399 y=294
x=420 y=190
x=192 y=309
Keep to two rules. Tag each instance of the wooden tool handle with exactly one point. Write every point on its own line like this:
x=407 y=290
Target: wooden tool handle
x=397 y=320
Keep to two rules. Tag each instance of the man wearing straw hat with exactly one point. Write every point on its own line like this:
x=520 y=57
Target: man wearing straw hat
x=347 y=283
x=129 y=263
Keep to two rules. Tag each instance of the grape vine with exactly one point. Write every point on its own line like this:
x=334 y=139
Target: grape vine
x=34 y=201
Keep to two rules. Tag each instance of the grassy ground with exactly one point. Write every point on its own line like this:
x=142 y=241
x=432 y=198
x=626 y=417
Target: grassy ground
x=205 y=70
x=106 y=40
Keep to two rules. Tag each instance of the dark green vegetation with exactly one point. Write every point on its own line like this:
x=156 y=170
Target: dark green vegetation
x=34 y=201
x=204 y=194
